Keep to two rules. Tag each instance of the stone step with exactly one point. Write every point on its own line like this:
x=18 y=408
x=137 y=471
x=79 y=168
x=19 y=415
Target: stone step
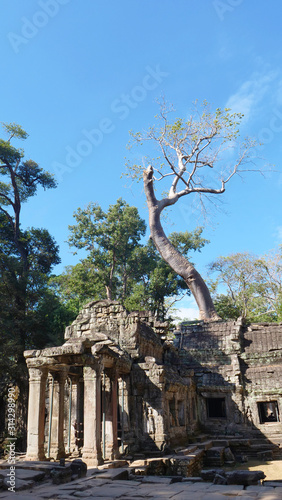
x=205 y=445
x=114 y=464
x=220 y=442
x=260 y=441
x=214 y=457
x=198 y=438
x=139 y=456
x=186 y=451
x=262 y=446
x=178 y=465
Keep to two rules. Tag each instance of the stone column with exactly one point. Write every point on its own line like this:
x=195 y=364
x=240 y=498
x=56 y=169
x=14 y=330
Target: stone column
x=91 y=452
x=57 y=446
x=115 y=452
x=36 y=413
x=111 y=401
x=74 y=399
x=125 y=434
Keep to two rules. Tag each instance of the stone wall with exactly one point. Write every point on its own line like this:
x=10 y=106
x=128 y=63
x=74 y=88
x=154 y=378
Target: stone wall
x=239 y=367
x=153 y=393
x=261 y=362
x=137 y=332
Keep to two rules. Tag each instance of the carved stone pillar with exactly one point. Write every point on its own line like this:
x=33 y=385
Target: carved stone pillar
x=57 y=446
x=91 y=452
x=36 y=413
x=74 y=417
x=111 y=402
x=115 y=452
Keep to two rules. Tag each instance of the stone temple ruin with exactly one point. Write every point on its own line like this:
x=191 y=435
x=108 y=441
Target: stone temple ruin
x=121 y=386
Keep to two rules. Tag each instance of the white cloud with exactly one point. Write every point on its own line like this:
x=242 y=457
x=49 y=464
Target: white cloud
x=250 y=94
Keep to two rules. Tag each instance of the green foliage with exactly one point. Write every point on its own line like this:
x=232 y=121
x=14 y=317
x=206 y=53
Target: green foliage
x=110 y=238
x=78 y=285
x=226 y=308
x=117 y=265
x=30 y=314
x=190 y=147
x=14 y=130
x=252 y=286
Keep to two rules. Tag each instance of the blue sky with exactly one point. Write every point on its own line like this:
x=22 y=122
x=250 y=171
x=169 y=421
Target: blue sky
x=73 y=70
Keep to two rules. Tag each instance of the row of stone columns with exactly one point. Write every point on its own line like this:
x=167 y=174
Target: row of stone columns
x=100 y=403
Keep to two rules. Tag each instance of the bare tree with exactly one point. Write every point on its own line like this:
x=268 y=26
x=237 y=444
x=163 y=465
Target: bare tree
x=190 y=149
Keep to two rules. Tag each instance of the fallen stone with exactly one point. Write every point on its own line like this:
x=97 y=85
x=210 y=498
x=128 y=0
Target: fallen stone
x=228 y=456
x=244 y=477
x=273 y=482
x=79 y=468
x=218 y=479
x=61 y=475
x=209 y=475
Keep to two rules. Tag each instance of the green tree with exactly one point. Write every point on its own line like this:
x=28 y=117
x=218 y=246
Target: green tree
x=193 y=161
x=117 y=266
x=109 y=238
x=155 y=282
x=26 y=257
x=251 y=286
x=78 y=285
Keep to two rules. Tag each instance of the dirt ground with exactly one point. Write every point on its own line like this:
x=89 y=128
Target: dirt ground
x=272 y=469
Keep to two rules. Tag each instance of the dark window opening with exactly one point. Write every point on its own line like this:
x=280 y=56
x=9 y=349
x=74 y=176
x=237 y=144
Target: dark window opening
x=194 y=413
x=172 y=412
x=268 y=412
x=181 y=413
x=216 y=408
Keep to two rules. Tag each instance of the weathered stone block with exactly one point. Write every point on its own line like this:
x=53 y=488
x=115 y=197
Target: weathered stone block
x=244 y=477
x=79 y=468
x=209 y=475
x=61 y=475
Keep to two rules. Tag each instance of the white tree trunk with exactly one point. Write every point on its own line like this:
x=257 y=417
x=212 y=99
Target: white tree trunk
x=172 y=257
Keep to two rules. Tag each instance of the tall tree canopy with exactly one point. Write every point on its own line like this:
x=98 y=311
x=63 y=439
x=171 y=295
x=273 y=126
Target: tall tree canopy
x=249 y=286
x=26 y=255
x=110 y=238
x=193 y=161
x=117 y=265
